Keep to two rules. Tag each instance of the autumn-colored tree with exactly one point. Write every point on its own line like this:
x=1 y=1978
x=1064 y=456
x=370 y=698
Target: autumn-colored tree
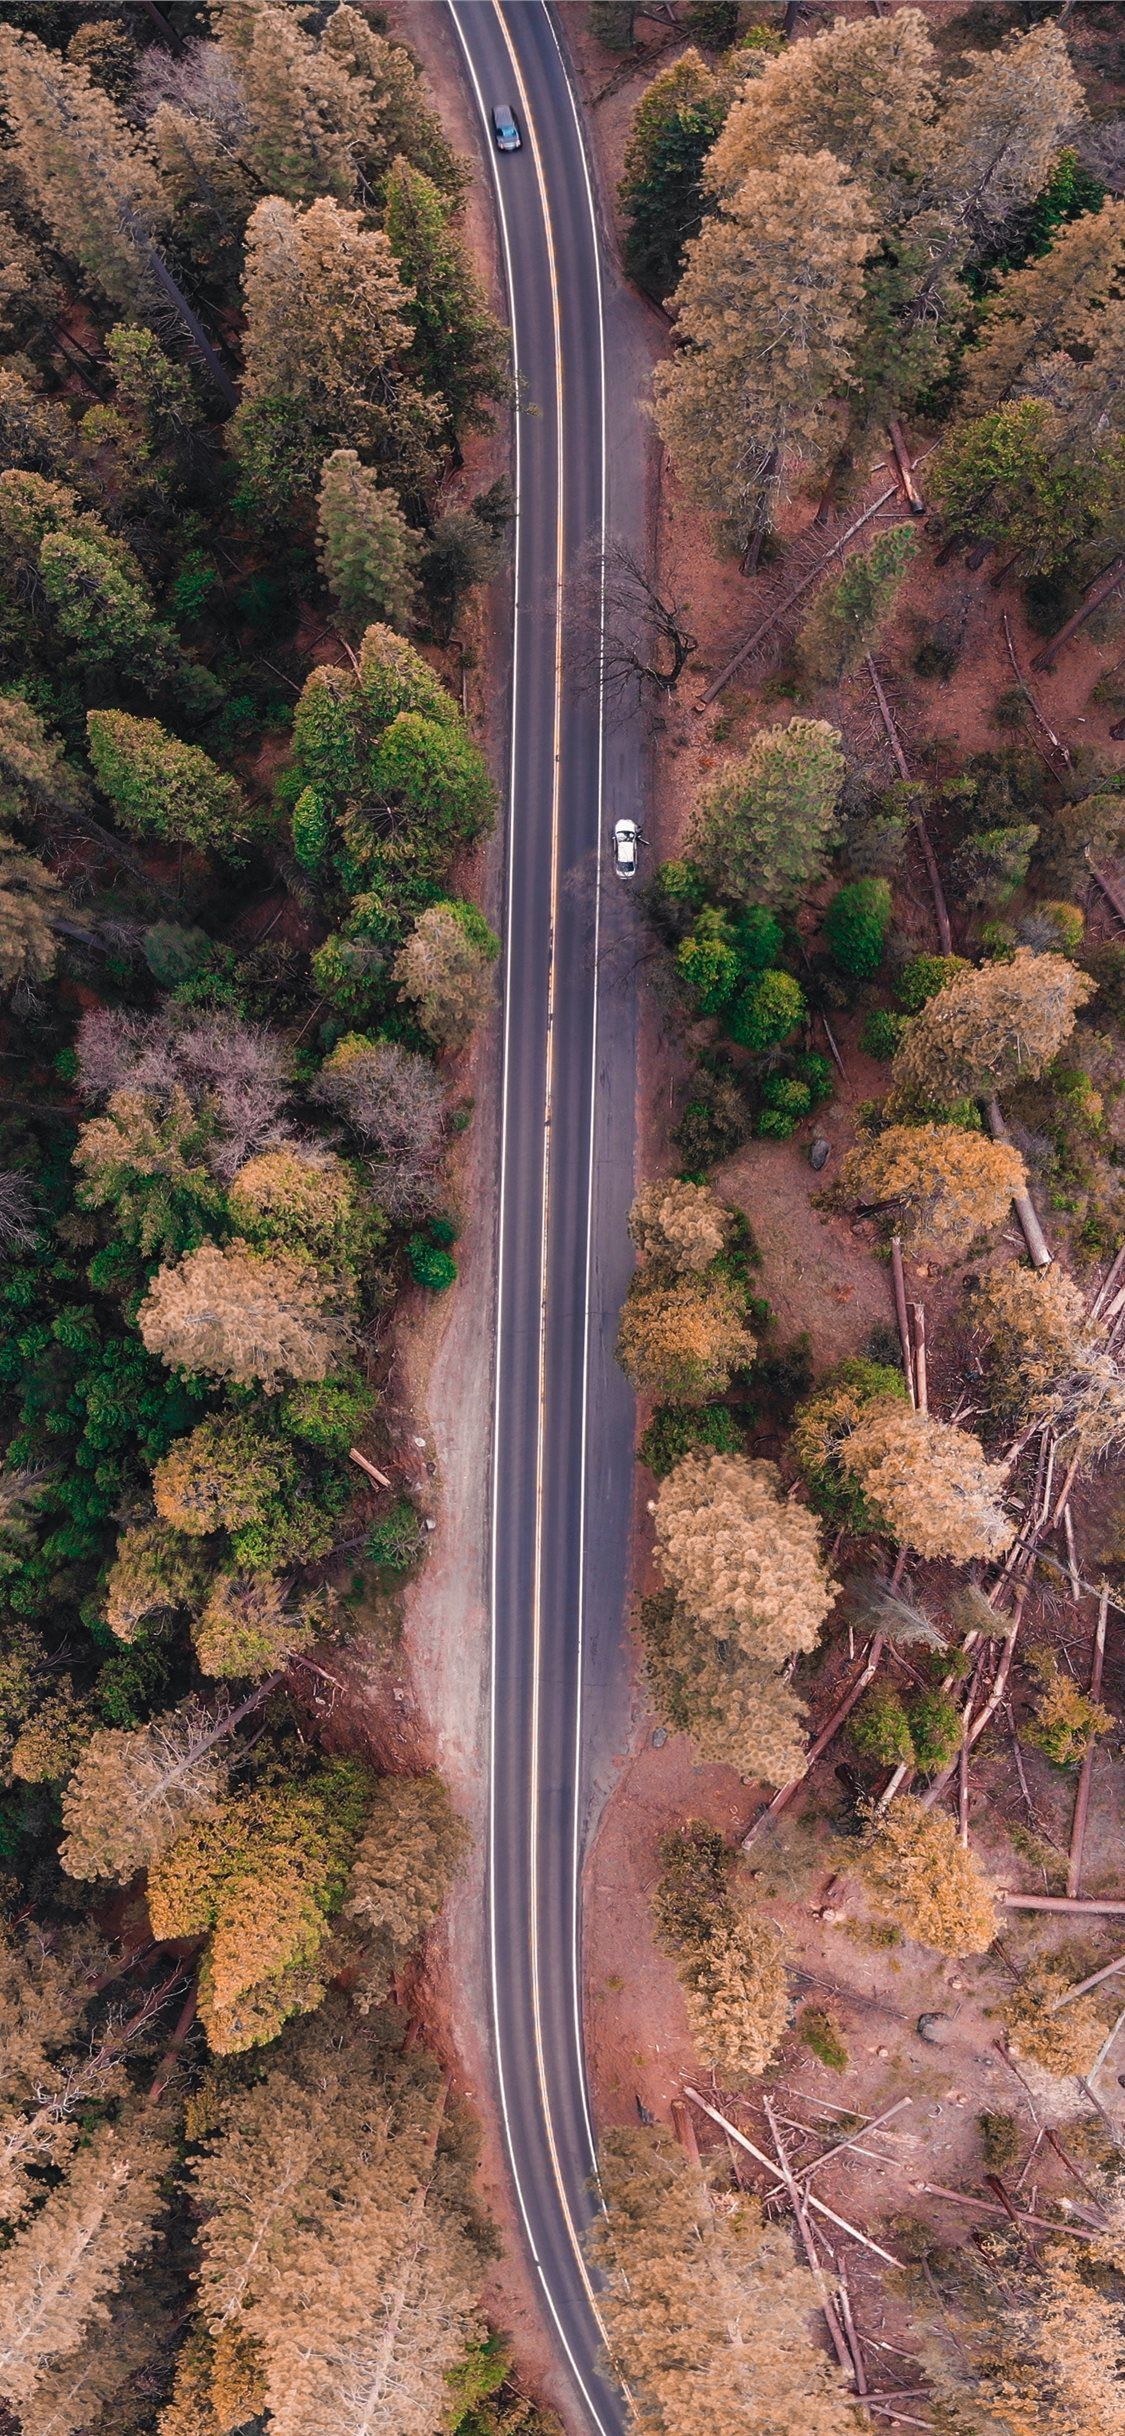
x=222 y=1474
x=259 y=1875
x=922 y=1877
x=336 y=2229
x=461 y=350
x=742 y=1561
x=302 y=1199
x=154 y=1572
x=60 y=2271
x=682 y=1224
x=327 y=346
x=135 y=1789
x=395 y=1103
x=736 y=1710
x=681 y=1336
x=150 y=1168
x=30 y=900
x=851 y=608
x=1051 y=307
x=769 y=313
x=445 y=968
x=50 y=1741
x=706 y=2311
x=231 y=1073
x=1066 y=1723
x=1003 y=124
x=763 y=823
x=405 y=1859
x=1040 y=2352
x=45 y=1991
x=34 y=432
x=162 y=788
x=948 y=1187
x=823 y=1424
x=671 y=134
x=864 y=91
x=238 y=1314
x=367 y=551
x=253 y=1623
x=928 y=1482
x=731 y=1968
x=86 y=171
x=985 y=1029
x=1034 y=1320
x=1063 y=2042
x=327 y=113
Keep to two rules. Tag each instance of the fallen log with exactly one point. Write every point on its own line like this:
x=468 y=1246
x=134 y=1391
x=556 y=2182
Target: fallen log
x=1094 y=1981
x=371 y=1470
x=760 y=2158
x=785 y=1793
x=1033 y=706
x=913 y=495
x=790 y=601
x=1082 y=1797
x=831 y=2318
x=1109 y=888
x=1039 y=1252
x=992 y=2207
x=901 y=1314
x=1015 y=1902
x=1100 y=591
x=941 y=910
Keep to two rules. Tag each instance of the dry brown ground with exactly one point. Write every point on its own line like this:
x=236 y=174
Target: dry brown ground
x=821 y=1274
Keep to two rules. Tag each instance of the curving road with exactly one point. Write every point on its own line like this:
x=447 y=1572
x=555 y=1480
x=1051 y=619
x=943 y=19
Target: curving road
x=562 y=1444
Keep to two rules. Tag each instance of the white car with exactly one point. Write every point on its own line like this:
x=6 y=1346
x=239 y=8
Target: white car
x=626 y=839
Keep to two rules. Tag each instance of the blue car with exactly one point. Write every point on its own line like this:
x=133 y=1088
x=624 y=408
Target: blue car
x=505 y=128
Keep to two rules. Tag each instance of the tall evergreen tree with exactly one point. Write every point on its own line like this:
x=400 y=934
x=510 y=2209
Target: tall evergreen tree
x=863 y=90
x=707 y=2312
x=367 y=551
x=1054 y=306
x=328 y=342
x=1002 y=126
x=770 y=311
x=84 y=167
x=461 y=350
x=673 y=129
x=60 y=2272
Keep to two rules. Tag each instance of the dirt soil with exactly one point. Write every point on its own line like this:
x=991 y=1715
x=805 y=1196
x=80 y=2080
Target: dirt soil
x=821 y=1274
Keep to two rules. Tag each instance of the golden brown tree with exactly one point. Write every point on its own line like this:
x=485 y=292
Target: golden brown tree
x=446 y=969
x=864 y=91
x=769 y=312
x=949 y=1187
x=136 y=1788
x=1003 y=124
x=736 y=1710
x=922 y=1877
x=928 y=1482
x=85 y=169
x=743 y=1562
x=238 y=1314
x=681 y=1337
x=30 y=902
x=707 y=2313
x=62 y=2269
x=1062 y=2043
x=1053 y=306
x=1001 y=1024
x=682 y=1224
x=404 y=1863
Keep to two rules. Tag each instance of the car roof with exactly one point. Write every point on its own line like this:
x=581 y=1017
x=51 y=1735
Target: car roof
x=503 y=110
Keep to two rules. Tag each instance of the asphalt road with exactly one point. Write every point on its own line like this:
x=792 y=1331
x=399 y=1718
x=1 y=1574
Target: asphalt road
x=562 y=1446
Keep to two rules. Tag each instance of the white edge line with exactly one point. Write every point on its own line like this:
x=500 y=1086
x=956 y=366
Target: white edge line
x=510 y=839
x=576 y=1939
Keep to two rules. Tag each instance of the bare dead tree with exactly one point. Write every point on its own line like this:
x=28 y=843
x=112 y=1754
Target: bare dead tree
x=625 y=627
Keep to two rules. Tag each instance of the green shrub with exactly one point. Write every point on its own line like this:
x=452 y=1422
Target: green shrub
x=757 y=938
x=397 y=1541
x=1000 y=2141
x=881 y=1033
x=935 y=1730
x=784 y=1091
x=707 y=963
x=430 y=1264
x=856 y=925
x=676 y=1430
x=818 y=2031
x=880 y=1729
x=923 y=977
x=767 y=1012
x=815 y=1072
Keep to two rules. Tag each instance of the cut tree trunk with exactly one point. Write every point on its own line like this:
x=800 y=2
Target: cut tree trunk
x=1039 y=1251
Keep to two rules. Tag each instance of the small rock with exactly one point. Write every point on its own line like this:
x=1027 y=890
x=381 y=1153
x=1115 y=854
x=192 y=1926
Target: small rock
x=429 y=1524
x=883 y=2051
x=417 y=1441
x=819 y=1152
x=830 y=1916
x=934 y=2028
x=659 y=1737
